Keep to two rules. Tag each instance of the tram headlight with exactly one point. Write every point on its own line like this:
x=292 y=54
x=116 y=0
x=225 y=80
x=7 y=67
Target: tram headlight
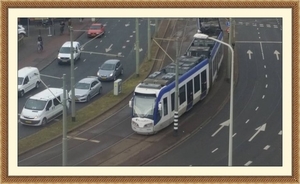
x=148 y=125
x=135 y=124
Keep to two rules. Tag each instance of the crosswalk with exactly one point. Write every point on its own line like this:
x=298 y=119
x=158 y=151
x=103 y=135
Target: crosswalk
x=258 y=25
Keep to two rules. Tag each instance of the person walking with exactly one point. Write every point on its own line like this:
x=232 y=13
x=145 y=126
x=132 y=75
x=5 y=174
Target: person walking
x=69 y=25
x=40 y=41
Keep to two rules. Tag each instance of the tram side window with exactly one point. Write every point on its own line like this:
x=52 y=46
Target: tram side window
x=165 y=106
x=182 y=95
x=173 y=101
x=196 y=84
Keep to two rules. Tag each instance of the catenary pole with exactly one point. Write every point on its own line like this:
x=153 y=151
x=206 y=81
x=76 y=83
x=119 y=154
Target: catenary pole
x=229 y=52
x=176 y=92
x=72 y=76
x=64 y=139
x=137 y=47
x=149 y=40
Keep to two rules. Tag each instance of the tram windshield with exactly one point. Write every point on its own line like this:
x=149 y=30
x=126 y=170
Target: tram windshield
x=143 y=105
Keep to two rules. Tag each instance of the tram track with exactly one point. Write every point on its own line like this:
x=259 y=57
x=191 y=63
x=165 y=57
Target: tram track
x=123 y=146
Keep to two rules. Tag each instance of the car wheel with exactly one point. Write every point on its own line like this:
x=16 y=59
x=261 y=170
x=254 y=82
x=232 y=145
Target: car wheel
x=22 y=93
x=88 y=98
x=37 y=85
x=100 y=90
x=44 y=122
x=122 y=71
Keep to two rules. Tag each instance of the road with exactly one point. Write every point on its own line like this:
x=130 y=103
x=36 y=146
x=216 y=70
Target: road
x=104 y=142
x=119 y=37
x=257 y=123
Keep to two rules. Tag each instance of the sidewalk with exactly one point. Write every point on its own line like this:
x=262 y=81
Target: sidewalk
x=27 y=51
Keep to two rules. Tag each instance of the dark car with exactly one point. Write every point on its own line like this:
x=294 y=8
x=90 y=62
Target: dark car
x=110 y=70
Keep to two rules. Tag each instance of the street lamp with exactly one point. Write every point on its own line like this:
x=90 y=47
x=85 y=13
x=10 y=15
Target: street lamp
x=204 y=36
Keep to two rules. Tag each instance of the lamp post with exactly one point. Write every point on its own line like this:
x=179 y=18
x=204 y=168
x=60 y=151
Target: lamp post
x=204 y=36
x=72 y=76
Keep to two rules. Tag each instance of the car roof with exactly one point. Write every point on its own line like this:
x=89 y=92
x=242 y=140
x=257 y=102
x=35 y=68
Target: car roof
x=23 y=72
x=87 y=80
x=68 y=44
x=112 y=61
x=96 y=24
x=47 y=94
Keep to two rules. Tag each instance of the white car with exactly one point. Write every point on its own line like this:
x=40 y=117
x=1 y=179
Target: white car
x=86 y=88
x=21 y=30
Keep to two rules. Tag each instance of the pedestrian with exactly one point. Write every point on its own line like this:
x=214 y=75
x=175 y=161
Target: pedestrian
x=40 y=41
x=62 y=27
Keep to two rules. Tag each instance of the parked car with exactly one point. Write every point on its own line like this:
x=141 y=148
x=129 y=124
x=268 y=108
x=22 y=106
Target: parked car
x=21 y=30
x=110 y=70
x=86 y=88
x=96 y=29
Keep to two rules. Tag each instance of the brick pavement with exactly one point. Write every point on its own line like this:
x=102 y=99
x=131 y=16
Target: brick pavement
x=27 y=51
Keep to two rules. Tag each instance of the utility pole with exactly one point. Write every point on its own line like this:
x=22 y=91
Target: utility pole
x=149 y=40
x=137 y=47
x=156 y=26
x=176 y=93
x=229 y=52
x=64 y=139
x=72 y=76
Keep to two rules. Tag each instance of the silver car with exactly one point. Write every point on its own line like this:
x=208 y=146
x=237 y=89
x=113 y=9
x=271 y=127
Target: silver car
x=110 y=70
x=86 y=89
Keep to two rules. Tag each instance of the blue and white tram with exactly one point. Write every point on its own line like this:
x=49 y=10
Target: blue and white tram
x=153 y=101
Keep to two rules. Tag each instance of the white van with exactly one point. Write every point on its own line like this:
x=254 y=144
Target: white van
x=64 y=54
x=28 y=79
x=43 y=107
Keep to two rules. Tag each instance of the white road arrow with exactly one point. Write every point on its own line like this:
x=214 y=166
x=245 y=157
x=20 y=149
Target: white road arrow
x=249 y=52
x=277 y=53
x=225 y=123
x=109 y=48
x=259 y=129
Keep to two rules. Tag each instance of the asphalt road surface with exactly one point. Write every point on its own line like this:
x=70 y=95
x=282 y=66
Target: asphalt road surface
x=119 y=37
x=257 y=124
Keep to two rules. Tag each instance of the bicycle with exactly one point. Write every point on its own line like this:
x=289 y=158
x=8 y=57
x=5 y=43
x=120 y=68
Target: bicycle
x=39 y=46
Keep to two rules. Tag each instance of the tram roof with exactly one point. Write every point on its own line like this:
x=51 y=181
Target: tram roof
x=165 y=76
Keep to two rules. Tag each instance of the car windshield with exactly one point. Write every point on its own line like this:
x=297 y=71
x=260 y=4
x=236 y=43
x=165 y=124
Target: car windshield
x=81 y=85
x=144 y=105
x=20 y=80
x=34 y=104
x=95 y=27
x=65 y=50
x=107 y=66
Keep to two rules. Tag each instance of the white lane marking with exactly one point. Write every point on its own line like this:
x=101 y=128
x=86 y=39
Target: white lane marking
x=75 y=68
x=124 y=47
x=262 y=52
x=84 y=60
x=214 y=150
x=234 y=135
x=267 y=147
x=280 y=132
x=259 y=37
x=256 y=108
x=266 y=76
x=96 y=46
x=261 y=25
x=127 y=40
x=225 y=123
x=268 y=25
x=131 y=36
x=79 y=138
x=95 y=141
x=266 y=85
x=133 y=31
x=275 y=26
x=265 y=66
x=258 y=32
x=100 y=41
x=258 y=129
x=247 y=121
x=256 y=28
x=263 y=97
x=248 y=163
x=254 y=24
x=119 y=53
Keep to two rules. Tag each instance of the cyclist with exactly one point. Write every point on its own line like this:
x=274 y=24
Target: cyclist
x=40 y=40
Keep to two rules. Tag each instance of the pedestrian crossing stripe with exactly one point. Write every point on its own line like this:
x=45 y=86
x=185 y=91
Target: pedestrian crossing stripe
x=261 y=25
x=275 y=26
x=268 y=25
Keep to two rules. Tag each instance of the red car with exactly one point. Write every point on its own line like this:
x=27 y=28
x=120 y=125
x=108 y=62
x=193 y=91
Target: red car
x=96 y=29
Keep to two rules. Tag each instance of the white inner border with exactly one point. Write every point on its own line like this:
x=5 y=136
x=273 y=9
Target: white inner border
x=285 y=170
